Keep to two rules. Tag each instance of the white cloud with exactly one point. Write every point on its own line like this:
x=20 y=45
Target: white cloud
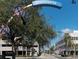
x=66 y=30
x=72 y=33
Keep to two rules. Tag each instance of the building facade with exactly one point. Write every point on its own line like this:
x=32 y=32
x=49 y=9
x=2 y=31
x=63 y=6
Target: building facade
x=20 y=51
x=61 y=47
x=7 y=49
x=30 y=50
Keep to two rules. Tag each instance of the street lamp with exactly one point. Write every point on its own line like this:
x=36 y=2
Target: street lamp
x=35 y=4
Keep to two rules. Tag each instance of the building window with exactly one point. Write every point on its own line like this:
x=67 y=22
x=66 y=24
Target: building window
x=6 y=45
x=24 y=53
x=76 y=38
x=19 y=52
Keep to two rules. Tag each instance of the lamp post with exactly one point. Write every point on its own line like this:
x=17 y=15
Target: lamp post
x=35 y=4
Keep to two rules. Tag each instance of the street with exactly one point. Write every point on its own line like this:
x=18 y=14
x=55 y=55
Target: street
x=47 y=57
x=52 y=57
x=59 y=57
x=67 y=58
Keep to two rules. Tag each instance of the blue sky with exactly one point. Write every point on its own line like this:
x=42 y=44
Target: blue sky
x=66 y=17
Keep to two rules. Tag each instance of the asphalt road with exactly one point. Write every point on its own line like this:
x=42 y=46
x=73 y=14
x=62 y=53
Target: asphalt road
x=47 y=57
x=59 y=57
x=66 y=58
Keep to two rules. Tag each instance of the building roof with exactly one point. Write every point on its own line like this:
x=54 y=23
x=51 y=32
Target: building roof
x=74 y=34
x=71 y=33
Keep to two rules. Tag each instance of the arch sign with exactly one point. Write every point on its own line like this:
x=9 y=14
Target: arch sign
x=19 y=10
x=45 y=3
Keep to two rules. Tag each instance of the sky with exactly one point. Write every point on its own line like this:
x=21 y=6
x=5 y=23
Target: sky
x=61 y=19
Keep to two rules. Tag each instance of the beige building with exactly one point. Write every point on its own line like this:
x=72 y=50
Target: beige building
x=61 y=47
x=30 y=50
x=6 y=47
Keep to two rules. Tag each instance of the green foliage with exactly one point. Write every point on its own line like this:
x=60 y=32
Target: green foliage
x=6 y=8
x=35 y=29
x=52 y=48
x=68 y=40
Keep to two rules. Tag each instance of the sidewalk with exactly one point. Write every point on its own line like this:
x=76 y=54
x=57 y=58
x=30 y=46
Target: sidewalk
x=43 y=56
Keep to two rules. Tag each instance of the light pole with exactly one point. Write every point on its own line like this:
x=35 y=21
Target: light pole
x=35 y=4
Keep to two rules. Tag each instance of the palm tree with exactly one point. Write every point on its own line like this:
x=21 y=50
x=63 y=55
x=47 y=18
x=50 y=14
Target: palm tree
x=68 y=41
x=75 y=47
x=35 y=28
x=52 y=49
x=5 y=13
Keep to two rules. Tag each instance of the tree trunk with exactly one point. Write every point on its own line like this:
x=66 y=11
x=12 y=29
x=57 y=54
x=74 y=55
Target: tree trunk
x=13 y=50
x=74 y=52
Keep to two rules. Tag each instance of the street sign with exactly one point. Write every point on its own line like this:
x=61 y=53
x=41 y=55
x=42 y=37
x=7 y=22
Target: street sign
x=47 y=3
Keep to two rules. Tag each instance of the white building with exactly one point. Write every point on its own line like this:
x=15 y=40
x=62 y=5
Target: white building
x=61 y=47
x=6 y=47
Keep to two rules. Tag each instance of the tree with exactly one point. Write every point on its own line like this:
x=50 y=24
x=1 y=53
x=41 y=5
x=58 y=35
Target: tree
x=38 y=30
x=51 y=49
x=68 y=41
x=5 y=13
x=35 y=28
